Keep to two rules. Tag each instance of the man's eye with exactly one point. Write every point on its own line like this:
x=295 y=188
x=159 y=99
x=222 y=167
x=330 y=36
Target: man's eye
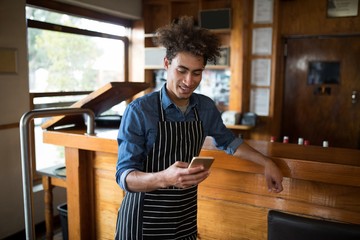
x=197 y=73
x=181 y=70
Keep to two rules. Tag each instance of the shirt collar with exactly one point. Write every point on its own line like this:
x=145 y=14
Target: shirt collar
x=166 y=101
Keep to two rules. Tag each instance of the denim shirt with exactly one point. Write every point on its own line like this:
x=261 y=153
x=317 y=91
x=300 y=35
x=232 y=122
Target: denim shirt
x=139 y=123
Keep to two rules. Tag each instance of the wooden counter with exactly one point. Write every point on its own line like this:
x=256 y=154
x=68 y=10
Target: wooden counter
x=233 y=202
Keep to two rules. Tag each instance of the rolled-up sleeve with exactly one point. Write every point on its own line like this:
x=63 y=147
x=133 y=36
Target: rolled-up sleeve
x=122 y=181
x=131 y=141
x=234 y=145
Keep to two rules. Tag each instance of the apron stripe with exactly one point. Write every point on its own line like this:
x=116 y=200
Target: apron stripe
x=129 y=211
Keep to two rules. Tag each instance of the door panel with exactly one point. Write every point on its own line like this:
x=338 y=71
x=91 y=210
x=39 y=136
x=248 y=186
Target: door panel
x=309 y=110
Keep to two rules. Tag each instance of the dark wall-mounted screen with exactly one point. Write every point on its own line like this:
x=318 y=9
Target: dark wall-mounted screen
x=215 y=18
x=323 y=72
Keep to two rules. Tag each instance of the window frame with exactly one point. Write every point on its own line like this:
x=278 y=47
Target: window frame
x=64 y=8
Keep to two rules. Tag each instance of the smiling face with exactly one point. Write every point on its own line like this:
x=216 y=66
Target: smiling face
x=184 y=75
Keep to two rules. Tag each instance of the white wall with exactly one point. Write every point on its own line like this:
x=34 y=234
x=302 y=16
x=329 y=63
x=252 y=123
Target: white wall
x=14 y=102
x=14 y=99
x=122 y=8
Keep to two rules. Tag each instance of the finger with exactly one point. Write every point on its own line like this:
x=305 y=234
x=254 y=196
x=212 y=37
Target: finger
x=197 y=169
x=272 y=186
x=277 y=187
x=269 y=183
x=194 y=179
x=181 y=164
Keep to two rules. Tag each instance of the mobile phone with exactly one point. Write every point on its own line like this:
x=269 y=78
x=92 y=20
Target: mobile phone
x=205 y=161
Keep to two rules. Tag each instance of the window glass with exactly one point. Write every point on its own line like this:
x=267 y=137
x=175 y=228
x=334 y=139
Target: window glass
x=69 y=62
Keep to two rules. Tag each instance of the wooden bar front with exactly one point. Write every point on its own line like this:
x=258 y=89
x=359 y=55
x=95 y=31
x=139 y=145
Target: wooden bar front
x=234 y=201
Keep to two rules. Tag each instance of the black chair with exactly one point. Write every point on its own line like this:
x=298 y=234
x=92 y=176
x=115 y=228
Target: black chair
x=284 y=226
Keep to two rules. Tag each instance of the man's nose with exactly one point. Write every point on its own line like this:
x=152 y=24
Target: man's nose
x=188 y=79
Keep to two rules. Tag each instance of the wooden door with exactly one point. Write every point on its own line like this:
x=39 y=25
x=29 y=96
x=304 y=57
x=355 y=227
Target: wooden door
x=322 y=111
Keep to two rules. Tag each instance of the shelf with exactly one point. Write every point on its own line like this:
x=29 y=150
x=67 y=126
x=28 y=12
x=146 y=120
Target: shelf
x=215 y=31
x=217 y=67
x=208 y=67
x=220 y=31
x=149 y=35
x=154 y=67
x=240 y=127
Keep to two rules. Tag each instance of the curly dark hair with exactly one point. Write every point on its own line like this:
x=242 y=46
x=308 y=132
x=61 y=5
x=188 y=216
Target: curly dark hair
x=184 y=36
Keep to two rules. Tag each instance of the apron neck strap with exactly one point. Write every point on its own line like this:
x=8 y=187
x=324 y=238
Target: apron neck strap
x=162 y=112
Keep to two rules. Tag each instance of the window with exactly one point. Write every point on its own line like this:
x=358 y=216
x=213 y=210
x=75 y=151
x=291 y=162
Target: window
x=70 y=54
x=70 y=57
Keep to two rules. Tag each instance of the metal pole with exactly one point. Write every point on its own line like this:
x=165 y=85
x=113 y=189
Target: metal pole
x=26 y=166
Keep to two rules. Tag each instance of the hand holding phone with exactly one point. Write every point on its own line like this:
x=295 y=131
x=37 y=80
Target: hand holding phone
x=205 y=161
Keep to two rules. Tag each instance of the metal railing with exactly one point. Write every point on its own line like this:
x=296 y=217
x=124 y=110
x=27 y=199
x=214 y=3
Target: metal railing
x=26 y=165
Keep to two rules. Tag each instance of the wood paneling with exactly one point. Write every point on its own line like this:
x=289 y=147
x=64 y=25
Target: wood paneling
x=9 y=126
x=237 y=54
x=308 y=17
x=108 y=195
x=221 y=221
x=189 y=8
x=235 y=194
x=162 y=16
x=216 y=4
x=233 y=202
x=79 y=194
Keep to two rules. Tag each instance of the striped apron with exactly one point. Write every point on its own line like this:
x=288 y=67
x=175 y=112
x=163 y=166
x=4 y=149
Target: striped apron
x=169 y=213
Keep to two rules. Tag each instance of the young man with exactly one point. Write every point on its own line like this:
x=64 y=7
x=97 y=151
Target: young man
x=162 y=131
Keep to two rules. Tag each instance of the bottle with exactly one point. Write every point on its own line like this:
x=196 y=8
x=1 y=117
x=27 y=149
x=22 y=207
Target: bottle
x=306 y=142
x=286 y=139
x=325 y=144
x=272 y=139
x=300 y=141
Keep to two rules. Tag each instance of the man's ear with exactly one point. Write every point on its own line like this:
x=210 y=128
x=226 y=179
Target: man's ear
x=166 y=63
